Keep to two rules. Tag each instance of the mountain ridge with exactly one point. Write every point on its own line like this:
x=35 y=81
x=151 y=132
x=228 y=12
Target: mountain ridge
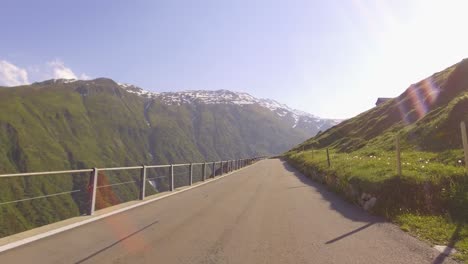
x=221 y=96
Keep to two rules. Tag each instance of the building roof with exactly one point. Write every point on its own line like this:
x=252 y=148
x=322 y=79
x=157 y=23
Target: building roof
x=382 y=100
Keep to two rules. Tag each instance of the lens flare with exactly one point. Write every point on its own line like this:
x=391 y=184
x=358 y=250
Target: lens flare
x=122 y=227
x=417 y=101
x=403 y=111
x=421 y=97
x=430 y=91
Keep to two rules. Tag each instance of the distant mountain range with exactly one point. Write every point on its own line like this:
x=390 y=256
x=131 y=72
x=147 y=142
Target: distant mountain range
x=74 y=124
x=302 y=120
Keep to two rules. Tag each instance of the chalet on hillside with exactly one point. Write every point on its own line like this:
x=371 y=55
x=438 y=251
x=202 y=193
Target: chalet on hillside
x=382 y=100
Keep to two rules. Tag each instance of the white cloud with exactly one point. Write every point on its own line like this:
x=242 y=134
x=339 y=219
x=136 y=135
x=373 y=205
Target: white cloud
x=58 y=70
x=84 y=76
x=12 y=75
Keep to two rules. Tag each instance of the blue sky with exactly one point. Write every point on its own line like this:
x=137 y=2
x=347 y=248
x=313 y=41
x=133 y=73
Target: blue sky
x=330 y=58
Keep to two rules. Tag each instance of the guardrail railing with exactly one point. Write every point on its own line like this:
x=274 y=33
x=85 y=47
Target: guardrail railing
x=159 y=179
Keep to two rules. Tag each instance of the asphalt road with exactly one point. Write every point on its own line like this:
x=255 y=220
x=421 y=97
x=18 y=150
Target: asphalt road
x=266 y=213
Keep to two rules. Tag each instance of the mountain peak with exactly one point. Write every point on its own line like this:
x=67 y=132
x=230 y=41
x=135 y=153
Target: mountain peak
x=227 y=97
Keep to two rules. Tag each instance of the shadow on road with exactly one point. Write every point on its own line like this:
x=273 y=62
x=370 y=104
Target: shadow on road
x=115 y=243
x=337 y=203
x=349 y=233
x=295 y=187
x=451 y=244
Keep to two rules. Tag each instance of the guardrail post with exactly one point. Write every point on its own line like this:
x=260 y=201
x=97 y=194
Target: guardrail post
x=143 y=183
x=171 y=187
x=204 y=172
x=222 y=168
x=191 y=174
x=465 y=143
x=93 y=181
x=214 y=169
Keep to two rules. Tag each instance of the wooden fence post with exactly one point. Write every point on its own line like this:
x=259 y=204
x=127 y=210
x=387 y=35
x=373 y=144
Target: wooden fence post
x=328 y=158
x=465 y=143
x=398 y=155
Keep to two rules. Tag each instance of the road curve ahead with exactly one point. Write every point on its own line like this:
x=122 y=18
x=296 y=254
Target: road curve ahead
x=266 y=213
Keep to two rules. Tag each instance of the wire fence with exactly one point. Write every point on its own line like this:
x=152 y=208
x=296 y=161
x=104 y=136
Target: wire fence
x=158 y=180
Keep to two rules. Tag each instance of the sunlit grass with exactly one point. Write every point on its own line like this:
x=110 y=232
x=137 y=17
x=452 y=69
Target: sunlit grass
x=437 y=230
x=377 y=166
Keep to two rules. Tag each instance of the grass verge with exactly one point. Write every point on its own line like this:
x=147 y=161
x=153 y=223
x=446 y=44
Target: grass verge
x=437 y=230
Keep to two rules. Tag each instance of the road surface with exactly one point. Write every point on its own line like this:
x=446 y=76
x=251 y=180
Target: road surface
x=266 y=213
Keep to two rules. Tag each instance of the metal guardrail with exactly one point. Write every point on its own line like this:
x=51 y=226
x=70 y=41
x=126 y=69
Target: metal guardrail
x=92 y=188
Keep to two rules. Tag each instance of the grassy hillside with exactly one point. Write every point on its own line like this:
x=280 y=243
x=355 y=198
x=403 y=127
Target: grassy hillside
x=432 y=191
x=427 y=116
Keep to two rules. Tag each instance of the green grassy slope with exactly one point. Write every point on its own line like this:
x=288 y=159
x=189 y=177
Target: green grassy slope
x=427 y=115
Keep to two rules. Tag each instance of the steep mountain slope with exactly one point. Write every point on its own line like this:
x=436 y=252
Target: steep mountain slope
x=67 y=124
x=427 y=114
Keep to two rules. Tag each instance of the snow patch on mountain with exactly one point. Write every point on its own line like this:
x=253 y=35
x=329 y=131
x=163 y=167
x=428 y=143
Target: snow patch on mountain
x=137 y=90
x=229 y=97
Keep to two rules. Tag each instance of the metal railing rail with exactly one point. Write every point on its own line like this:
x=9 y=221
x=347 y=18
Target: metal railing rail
x=218 y=168
x=121 y=168
x=44 y=173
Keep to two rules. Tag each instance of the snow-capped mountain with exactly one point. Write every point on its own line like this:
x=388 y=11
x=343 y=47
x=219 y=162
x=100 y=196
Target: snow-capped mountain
x=298 y=118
